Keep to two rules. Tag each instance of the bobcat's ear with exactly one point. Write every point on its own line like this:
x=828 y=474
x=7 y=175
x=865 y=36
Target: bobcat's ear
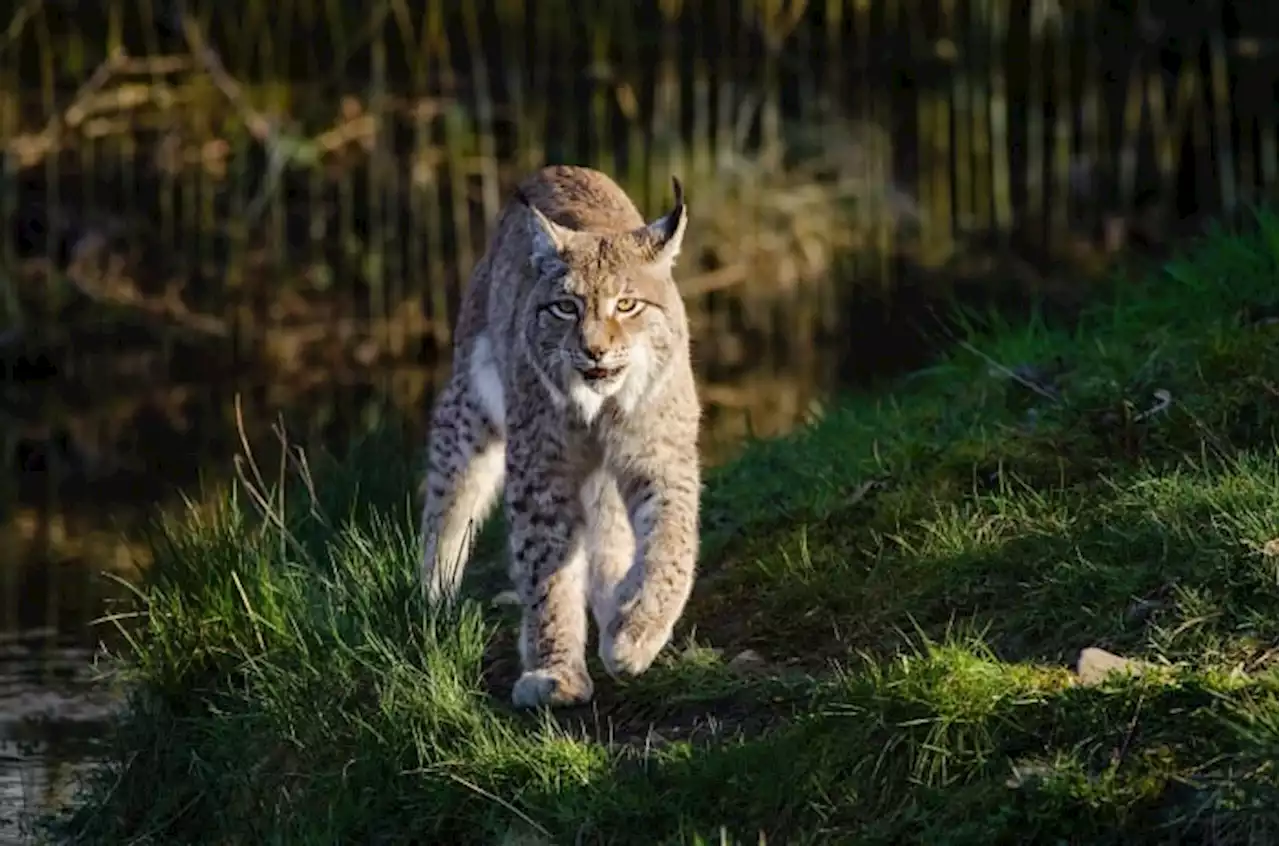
x=547 y=237
x=659 y=242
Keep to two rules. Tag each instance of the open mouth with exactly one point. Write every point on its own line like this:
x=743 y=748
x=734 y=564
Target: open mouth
x=600 y=374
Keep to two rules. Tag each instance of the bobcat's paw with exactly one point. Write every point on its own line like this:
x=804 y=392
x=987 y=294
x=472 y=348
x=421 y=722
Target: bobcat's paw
x=554 y=686
x=628 y=649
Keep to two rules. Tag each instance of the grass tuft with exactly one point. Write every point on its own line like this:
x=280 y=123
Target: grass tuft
x=879 y=649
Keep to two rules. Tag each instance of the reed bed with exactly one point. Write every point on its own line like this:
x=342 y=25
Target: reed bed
x=237 y=175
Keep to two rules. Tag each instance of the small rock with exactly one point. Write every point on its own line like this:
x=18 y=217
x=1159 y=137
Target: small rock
x=1272 y=548
x=506 y=597
x=1096 y=664
x=747 y=660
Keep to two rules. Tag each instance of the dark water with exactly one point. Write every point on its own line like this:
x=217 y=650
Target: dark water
x=849 y=179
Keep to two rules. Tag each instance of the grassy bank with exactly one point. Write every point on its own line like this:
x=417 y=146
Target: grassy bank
x=879 y=649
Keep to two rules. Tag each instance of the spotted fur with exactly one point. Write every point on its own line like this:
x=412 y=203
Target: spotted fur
x=572 y=393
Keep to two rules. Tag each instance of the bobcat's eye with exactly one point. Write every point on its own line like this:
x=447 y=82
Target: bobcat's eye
x=564 y=309
x=625 y=305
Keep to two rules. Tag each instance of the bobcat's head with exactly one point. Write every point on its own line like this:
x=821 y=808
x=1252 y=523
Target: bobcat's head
x=605 y=317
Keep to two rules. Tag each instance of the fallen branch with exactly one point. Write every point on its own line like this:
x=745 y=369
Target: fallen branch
x=116 y=290
x=169 y=309
x=29 y=150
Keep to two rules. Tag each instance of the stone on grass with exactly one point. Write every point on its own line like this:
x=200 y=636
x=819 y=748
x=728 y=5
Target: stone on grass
x=506 y=597
x=746 y=661
x=1096 y=664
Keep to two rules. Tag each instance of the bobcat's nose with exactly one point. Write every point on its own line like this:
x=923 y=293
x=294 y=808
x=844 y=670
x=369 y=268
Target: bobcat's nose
x=594 y=367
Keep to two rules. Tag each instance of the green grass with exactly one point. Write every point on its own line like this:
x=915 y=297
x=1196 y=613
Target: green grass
x=915 y=574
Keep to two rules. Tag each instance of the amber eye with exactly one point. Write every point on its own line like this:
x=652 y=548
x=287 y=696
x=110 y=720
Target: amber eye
x=626 y=304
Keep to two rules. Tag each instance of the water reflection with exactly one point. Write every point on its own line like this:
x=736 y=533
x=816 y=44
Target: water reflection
x=52 y=714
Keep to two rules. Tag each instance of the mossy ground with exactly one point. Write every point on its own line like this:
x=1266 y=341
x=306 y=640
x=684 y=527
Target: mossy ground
x=877 y=651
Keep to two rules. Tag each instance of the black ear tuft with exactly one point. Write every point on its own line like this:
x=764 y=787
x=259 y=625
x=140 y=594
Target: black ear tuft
x=671 y=221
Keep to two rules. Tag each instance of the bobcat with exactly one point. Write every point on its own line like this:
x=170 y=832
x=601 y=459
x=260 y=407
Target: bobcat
x=572 y=381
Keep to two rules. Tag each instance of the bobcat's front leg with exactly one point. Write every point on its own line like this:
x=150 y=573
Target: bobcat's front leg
x=662 y=501
x=548 y=568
